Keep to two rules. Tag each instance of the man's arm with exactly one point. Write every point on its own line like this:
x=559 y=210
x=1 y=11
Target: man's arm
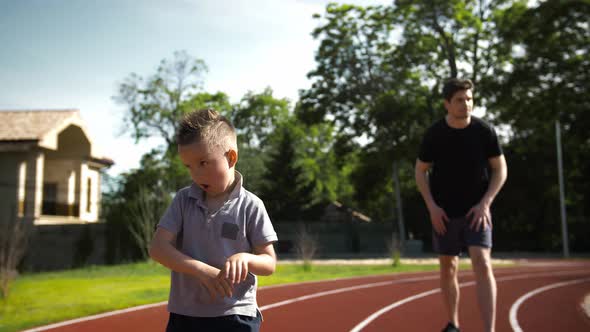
x=261 y=262
x=497 y=180
x=437 y=215
x=481 y=216
x=162 y=250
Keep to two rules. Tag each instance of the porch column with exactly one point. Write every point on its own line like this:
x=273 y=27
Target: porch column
x=34 y=185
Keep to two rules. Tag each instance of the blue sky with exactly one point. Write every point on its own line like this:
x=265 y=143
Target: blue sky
x=60 y=54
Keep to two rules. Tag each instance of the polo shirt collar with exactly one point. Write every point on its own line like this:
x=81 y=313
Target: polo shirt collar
x=197 y=193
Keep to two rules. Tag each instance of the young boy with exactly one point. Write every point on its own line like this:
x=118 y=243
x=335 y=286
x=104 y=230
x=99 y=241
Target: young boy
x=216 y=236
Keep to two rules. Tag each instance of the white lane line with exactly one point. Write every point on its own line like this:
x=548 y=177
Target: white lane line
x=269 y=306
x=106 y=314
x=514 y=309
x=383 y=310
x=346 y=289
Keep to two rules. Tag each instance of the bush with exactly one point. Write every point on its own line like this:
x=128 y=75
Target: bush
x=14 y=235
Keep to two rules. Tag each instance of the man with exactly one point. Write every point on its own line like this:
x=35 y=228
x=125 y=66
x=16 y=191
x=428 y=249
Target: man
x=461 y=151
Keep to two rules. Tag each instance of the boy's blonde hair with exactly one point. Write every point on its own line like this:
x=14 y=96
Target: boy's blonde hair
x=209 y=127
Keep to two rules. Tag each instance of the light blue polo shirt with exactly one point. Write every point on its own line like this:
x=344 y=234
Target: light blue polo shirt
x=238 y=226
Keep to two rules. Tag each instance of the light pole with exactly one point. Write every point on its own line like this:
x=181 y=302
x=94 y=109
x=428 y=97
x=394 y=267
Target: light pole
x=566 y=249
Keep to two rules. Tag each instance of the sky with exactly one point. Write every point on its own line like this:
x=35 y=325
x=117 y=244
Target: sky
x=72 y=54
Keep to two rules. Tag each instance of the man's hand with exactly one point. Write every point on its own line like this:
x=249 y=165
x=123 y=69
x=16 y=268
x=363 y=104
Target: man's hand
x=236 y=267
x=480 y=217
x=438 y=217
x=216 y=284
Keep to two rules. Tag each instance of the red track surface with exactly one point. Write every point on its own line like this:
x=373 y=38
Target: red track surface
x=351 y=301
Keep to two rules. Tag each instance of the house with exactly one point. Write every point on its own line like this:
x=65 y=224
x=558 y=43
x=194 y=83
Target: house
x=49 y=168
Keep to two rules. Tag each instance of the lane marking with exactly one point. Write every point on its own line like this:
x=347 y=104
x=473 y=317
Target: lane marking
x=514 y=309
x=383 y=310
x=345 y=289
x=270 y=306
x=351 y=288
x=281 y=303
x=106 y=314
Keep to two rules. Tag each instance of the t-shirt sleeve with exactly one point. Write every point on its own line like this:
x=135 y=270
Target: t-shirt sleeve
x=426 y=153
x=259 y=228
x=493 y=148
x=172 y=218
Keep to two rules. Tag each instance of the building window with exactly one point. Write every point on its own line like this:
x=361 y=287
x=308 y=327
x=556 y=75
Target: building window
x=89 y=196
x=49 y=206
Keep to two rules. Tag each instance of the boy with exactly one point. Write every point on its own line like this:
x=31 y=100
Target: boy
x=468 y=170
x=215 y=236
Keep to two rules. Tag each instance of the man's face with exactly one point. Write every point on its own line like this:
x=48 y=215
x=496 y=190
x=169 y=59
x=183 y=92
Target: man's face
x=209 y=167
x=461 y=104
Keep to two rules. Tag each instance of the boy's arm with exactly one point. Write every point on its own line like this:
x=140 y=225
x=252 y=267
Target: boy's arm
x=262 y=262
x=162 y=250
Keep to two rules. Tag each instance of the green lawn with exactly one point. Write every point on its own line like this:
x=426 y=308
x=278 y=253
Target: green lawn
x=44 y=298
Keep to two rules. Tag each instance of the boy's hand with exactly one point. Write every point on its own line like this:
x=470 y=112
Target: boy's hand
x=216 y=284
x=236 y=267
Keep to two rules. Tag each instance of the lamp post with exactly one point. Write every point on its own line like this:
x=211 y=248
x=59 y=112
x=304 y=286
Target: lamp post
x=564 y=235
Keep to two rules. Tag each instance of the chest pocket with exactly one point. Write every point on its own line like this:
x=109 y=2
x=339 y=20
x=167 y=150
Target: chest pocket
x=229 y=231
x=229 y=227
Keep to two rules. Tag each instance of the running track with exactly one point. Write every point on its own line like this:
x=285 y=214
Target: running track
x=536 y=296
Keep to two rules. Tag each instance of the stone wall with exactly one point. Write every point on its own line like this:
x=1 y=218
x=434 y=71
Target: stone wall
x=58 y=247
x=341 y=239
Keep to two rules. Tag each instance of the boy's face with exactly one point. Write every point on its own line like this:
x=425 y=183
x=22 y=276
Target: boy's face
x=211 y=168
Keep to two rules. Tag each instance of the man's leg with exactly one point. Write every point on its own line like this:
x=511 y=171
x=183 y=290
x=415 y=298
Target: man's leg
x=449 y=285
x=485 y=284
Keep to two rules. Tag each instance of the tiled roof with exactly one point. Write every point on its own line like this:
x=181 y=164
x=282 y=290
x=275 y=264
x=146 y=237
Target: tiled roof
x=31 y=125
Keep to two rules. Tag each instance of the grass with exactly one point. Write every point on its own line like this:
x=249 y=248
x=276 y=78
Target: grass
x=44 y=298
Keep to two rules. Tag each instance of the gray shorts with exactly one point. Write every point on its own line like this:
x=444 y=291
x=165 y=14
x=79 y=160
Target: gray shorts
x=459 y=236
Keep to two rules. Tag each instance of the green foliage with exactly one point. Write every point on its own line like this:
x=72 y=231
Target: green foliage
x=257 y=116
x=14 y=240
x=155 y=104
x=284 y=193
x=547 y=81
x=378 y=76
x=144 y=191
x=396 y=257
x=374 y=91
x=307 y=266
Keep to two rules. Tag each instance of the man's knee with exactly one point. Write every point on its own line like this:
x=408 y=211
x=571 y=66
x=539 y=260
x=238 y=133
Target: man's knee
x=480 y=260
x=449 y=267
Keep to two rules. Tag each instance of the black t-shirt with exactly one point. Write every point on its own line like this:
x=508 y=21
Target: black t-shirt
x=459 y=176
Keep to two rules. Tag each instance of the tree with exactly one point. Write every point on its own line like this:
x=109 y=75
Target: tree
x=378 y=76
x=135 y=202
x=407 y=49
x=144 y=211
x=156 y=103
x=257 y=115
x=14 y=237
x=302 y=172
x=350 y=66
x=256 y=118
x=549 y=80
x=284 y=193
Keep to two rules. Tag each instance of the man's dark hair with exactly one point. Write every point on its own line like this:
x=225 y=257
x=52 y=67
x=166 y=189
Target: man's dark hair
x=452 y=85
